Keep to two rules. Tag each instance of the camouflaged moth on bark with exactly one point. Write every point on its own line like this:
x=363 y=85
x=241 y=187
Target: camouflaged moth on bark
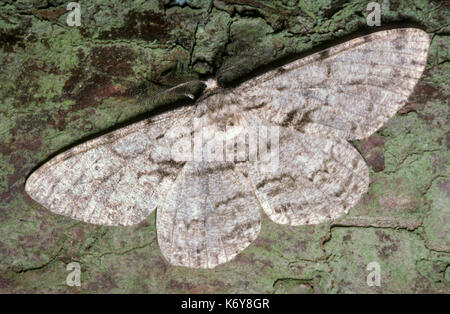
x=209 y=211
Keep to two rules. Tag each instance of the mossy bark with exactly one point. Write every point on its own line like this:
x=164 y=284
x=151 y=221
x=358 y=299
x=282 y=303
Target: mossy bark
x=61 y=84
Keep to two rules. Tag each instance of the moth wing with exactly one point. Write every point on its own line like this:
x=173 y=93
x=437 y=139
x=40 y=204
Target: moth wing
x=353 y=88
x=117 y=178
x=307 y=178
x=208 y=217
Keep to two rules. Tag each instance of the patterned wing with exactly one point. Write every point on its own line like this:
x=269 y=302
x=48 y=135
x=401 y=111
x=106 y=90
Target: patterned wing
x=208 y=217
x=353 y=88
x=314 y=177
x=115 y=179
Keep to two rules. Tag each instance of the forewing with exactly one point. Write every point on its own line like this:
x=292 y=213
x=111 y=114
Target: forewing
x=352 y=88
x=115 y=179
x=208 y=217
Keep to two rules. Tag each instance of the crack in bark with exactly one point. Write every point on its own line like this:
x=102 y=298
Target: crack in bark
x=39 y=267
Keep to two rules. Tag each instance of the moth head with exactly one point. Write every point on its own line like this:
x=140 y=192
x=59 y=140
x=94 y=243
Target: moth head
x=210 y=84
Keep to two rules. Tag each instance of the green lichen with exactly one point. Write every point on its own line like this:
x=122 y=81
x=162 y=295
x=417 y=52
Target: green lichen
x=438 y=218
x=60 y=84
x=350 y=250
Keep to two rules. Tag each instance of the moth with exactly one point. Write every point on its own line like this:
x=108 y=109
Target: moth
x=210 y=210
